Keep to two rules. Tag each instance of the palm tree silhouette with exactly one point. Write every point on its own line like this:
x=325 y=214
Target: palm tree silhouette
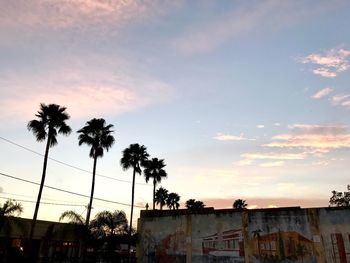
x=108 y=223
x=135 y=157
x=73 y=217
x=154 y=169
x=173 y=201
x=192 y=204
x=51 y=120
x=161 y=197
x=97 y=135
x=9 y=209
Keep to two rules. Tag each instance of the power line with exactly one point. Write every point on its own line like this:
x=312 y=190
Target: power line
x=67 y=164
x=66 y=191
x=45 y=203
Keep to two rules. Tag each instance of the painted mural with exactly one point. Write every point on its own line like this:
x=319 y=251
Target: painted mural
x=288 y=235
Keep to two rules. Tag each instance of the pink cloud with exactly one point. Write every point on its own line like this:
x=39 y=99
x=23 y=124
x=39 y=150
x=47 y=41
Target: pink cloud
x=228 y=137
x=322 y=93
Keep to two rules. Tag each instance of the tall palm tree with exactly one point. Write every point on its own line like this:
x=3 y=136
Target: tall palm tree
x=108 y=223
x=173 y=201
x=154 y=169
x=51 y=120
x=135 y=157
x=161 y=197
x=97 y=135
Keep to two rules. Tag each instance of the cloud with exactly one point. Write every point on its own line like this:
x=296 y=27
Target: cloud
x=228 y=137
x=322 y=93
x=330 y=63
x=242 y=20
x=317 y=138
x=79 y=14
x=86 y=91
x=277 y=124
x=260 y=126
x=272 y=164
x=339 y=98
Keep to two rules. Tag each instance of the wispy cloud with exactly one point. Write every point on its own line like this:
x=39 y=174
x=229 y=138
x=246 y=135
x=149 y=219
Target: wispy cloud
x=260 y=126
x=339 y=98
x=272 y=164
x=244 y=19
x=86 y=91
x=322 y=93
x=229 y=137
x=313 y=137
x=330 y=63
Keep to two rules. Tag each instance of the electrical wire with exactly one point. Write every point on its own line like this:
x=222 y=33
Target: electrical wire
x=69 y=165
x=66 y=191
x=44 y=203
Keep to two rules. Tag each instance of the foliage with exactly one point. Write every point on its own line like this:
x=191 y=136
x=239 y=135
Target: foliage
x=73 y=217
x=108 y=223
x=154 y=169
x=192 y=204
x=240 y=204
x=10 y=208
x=161 y=197
x=340 y=198
x=97 y=135
x=173 y=201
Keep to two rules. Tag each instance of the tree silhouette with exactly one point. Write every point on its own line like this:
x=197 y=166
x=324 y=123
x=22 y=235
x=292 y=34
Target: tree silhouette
x=51 y=120
x=173 y=201
x=240 y=204
x=108 y=223
x=135 y=157
x=256 y=234
x=73 y=217
x=192 y=204
x=97 y=135
x=9 y=209
x=154 y=169
x=340 y=198
x=161 y=197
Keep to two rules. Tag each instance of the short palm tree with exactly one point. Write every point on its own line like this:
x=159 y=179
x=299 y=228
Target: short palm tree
x=135 y=157
x=161 y=197
x=173 y=201
x=73 y=217
x=97 y=135
x=108 y=223
x=154 y=169
x=51 y=120
x=240 y=204
x=192 y=204
x=9 y=209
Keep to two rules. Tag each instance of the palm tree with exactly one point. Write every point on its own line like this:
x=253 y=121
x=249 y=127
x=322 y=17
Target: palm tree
x=9 y=209
x=108 y=223
x=240 y=204
x=74 y=217
x=173 y=201
x=154 y=169
x=256 y=234
x=192 y=204
x=161 y=197
x=51 y=120
x=97 y=135
x=135 y=156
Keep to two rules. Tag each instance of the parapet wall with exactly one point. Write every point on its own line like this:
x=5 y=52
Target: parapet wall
x=252 y=236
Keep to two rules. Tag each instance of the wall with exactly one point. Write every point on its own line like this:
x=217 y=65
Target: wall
x=251 y=236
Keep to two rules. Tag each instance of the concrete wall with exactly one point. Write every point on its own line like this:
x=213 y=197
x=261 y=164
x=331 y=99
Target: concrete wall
x=250 y=236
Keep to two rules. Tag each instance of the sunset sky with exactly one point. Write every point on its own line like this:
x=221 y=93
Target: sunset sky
x=242 y=99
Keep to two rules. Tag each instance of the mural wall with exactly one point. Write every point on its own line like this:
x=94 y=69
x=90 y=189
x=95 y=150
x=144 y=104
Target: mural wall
x=251 y=236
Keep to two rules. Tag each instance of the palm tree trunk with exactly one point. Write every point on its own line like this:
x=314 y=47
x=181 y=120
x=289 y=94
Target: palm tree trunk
x=32 y=229
x=132 y=209
x=154 y=193
x=92 y=192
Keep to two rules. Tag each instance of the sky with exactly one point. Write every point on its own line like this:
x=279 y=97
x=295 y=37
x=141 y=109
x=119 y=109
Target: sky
x=242 y=99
